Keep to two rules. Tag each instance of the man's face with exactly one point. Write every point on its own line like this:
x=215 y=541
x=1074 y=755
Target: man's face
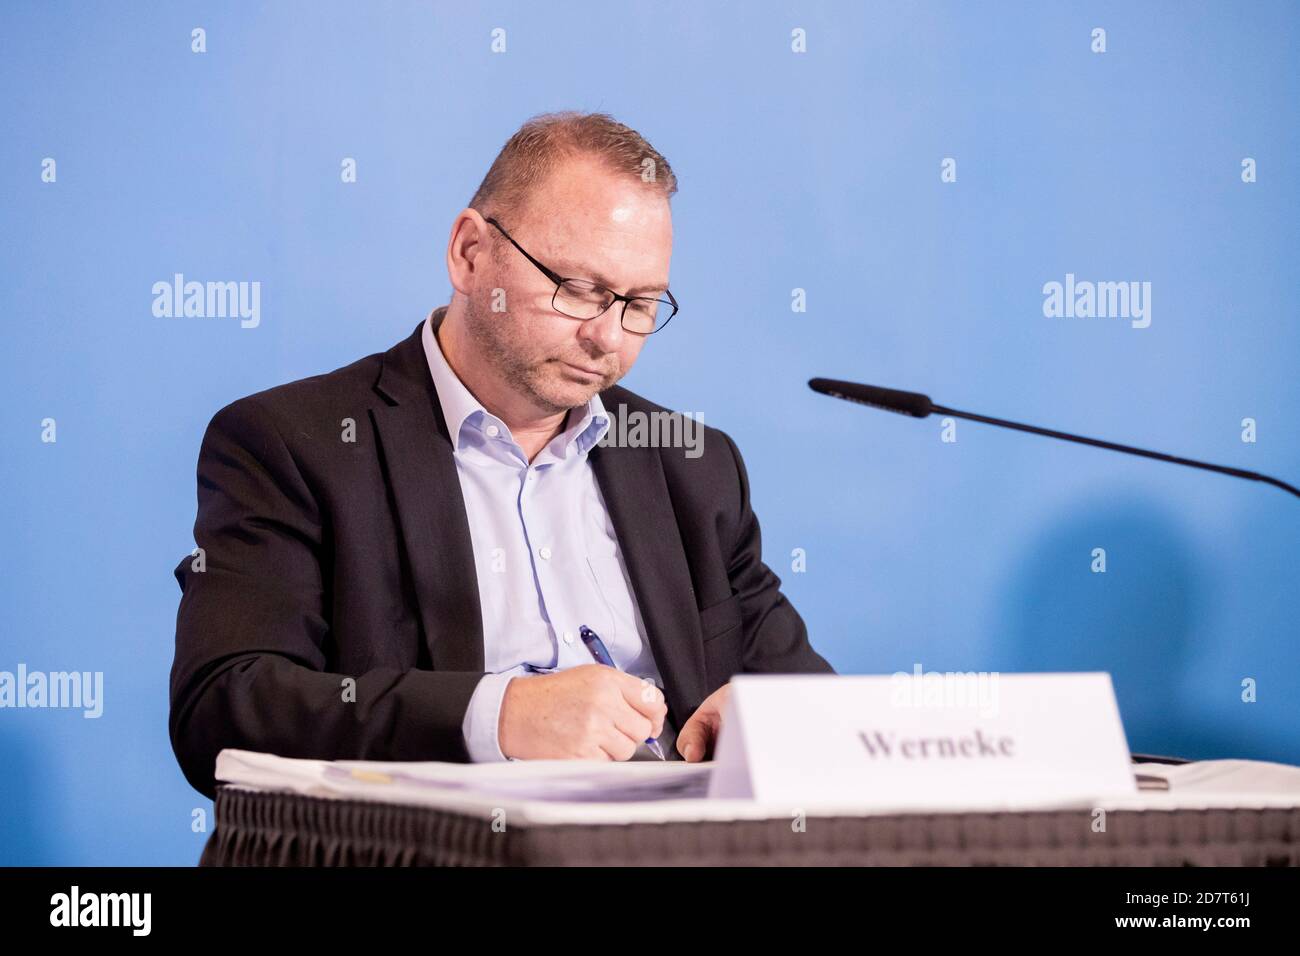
x=584 y=223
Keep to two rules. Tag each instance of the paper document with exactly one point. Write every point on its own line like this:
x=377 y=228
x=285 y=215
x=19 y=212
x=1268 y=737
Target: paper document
x=421 y=782
x=567 y=792
x=1244 y=779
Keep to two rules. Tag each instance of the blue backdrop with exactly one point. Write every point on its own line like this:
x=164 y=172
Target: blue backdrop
x=822 y=171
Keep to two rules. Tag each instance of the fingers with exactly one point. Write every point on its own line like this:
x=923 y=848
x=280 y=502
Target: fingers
x=619 y=747
x=634 y=727
x=695 y=742
x=647 y=699
x=620 y=727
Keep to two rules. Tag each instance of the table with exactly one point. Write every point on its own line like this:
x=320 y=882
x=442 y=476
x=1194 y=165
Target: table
x=255 y=828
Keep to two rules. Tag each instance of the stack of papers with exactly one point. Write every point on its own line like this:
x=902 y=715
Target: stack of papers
x=1210 y=784
x=569 y=781
x=568 y=791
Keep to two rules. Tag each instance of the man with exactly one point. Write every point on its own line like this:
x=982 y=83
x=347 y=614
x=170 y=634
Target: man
x=405 y=558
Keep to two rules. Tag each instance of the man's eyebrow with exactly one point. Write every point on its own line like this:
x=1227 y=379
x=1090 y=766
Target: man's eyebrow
x=571 y=270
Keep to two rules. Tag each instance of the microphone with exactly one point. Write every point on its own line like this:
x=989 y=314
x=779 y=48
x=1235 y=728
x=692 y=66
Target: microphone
x=917 y=405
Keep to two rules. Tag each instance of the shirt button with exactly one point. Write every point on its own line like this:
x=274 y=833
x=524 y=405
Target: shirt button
x=545 y=553
x=492 y=431
x=568 y=637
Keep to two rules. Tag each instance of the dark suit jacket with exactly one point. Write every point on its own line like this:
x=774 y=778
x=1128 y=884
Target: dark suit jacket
x=328 y=560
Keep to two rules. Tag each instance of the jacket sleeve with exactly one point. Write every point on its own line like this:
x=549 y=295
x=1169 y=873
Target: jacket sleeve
x=250 y=666
x=776 y=639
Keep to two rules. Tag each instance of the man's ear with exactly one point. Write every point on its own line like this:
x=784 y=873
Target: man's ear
x=469 y=240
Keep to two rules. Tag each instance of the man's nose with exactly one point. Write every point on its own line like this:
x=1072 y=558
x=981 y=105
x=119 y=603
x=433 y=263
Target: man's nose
x=606 y=330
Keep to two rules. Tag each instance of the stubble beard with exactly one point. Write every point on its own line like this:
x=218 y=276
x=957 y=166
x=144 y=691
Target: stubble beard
x=495 y=338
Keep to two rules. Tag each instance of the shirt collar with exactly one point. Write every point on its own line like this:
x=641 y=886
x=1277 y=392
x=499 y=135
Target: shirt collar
x=462 y=410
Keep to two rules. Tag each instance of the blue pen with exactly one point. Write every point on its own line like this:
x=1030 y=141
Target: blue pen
x=597 y=648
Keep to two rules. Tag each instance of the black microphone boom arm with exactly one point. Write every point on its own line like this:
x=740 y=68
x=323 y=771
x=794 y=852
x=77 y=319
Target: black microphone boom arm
x=917 y=405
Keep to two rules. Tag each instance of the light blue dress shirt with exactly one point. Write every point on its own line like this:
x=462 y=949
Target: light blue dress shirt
x=545 y=551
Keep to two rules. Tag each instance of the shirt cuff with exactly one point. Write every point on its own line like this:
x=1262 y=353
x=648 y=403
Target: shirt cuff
x=483 y=717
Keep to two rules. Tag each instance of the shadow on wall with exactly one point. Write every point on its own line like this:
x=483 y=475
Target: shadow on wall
x=1135 y=620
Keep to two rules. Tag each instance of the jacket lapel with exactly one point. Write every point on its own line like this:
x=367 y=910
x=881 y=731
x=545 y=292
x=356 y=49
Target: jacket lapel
x=632 y=482
x=417 y=452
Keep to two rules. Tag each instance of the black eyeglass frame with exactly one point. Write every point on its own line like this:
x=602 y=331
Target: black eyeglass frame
x=559 y=280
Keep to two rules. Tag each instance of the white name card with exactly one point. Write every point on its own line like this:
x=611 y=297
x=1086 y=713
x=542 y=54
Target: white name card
x=932 y=740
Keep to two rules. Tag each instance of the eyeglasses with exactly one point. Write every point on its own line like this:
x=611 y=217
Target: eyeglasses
x=583 y=299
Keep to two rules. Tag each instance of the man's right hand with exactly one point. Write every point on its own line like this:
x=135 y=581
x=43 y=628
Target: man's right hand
x=591 y=712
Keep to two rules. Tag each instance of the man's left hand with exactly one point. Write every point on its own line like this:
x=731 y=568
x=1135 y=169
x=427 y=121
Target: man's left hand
x=700 y=733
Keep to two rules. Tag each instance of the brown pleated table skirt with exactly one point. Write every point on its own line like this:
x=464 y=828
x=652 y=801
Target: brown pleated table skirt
x=284 y=829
